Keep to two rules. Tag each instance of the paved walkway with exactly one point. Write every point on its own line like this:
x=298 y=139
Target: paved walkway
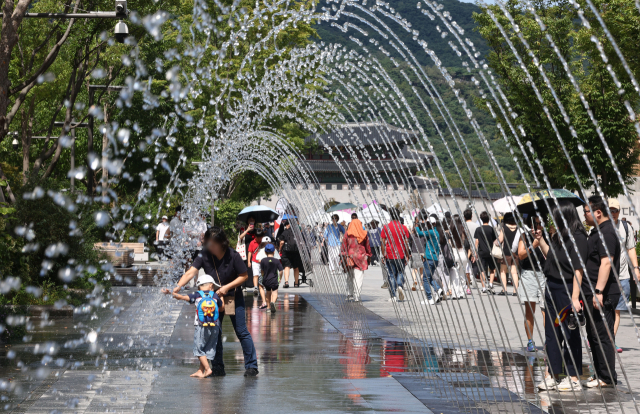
x=467 y=328
x=142 y=358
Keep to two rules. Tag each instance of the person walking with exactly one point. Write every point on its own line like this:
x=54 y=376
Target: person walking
x=395 y=247
x=532 y=281
x=564 y=275
x=485 y=236
x=601 y=291
x=333 y=236
x=253 y=262
x=246 y=237
x=431 y=257
x=472 y=265
x=509 y=231
x=355 y=250
x=459 y=242
x=162 y=230
x=374 y=242
x=229 y=272
x=417 y=244
x=290 y=254
x=628 y=243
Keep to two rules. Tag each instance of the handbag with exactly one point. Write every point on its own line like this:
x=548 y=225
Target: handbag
x=241 y=248
x=496 y=252
x=229 y=300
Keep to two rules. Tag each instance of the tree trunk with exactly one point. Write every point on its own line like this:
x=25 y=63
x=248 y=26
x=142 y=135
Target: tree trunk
x=3 y=177
x=12 y=17
x=105 y=156
x=27 y=129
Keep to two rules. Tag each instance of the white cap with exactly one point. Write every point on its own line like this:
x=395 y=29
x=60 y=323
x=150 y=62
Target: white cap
x=204 y=279
x=165 y=218
x=432 y=220
x=266 y=239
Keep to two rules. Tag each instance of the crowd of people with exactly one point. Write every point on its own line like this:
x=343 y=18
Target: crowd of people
x=574 y=278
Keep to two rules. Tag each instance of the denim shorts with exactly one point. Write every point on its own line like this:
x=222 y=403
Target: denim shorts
x=625 y=296
x=205 y=340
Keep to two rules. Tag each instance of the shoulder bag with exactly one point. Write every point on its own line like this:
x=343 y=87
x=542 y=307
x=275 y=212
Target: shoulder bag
x=241 y=248
x=230 y=298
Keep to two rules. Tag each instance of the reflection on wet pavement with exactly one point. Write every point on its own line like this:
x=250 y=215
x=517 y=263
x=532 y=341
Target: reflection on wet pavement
x=311 y=359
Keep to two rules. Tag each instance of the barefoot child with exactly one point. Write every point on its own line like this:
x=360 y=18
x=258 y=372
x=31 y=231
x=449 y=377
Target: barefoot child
x=270 y=267
x=208 y=309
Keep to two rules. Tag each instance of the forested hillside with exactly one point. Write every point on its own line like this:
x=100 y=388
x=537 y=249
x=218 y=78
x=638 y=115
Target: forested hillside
x=432 y=32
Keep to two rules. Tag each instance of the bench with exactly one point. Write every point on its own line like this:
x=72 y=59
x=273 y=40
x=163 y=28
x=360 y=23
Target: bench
x=124 y=254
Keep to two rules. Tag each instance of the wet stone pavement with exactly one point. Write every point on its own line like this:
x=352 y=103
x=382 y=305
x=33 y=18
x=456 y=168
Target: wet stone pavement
x=140 y=361
x=133 y=354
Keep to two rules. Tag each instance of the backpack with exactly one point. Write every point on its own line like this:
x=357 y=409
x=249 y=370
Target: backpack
x=626 y=229
x=290 y=244
x=449 y=261
x=207 y=309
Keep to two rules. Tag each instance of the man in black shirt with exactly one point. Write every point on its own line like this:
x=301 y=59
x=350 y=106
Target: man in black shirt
x=484 y=237
x=601 y=291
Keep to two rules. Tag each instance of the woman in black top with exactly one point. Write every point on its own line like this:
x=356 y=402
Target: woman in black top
x=564 y=276
x=509 y=230
x=229 y=272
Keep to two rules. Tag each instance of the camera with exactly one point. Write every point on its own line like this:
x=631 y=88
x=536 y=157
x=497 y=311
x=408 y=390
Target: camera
x=121 y=31
x=121 y=7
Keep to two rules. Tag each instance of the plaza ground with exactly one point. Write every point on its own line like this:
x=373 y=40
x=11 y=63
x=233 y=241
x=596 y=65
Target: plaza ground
x=317 y=353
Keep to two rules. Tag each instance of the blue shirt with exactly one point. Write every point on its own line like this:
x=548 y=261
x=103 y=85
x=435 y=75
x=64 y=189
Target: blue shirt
x=332 y=234
x=432 y=252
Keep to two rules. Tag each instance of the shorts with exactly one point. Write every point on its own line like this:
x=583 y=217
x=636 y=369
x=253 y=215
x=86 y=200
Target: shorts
x=488 y=263
x=205 y=340
x=255 y=268
x=532 y=286
x=291 y=260
x=416 y=261
x=625 y=296
x=271 y=283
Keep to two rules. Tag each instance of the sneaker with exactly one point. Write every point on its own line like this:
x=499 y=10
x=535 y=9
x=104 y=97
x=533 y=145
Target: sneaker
x=385 y=285
x=272 y=307
x=422 y=287
x=549 y=383
x=490 y=286
x=427 y=302
x=400 y=294
x=618 y=349
x=567 y=384
x=251 y=372
x=468 y=291
x=440 y=292
x=502 y=293
x=491 y=291
x=595 y=382
x=531 y=346
x=461 y=296
x=484 y=290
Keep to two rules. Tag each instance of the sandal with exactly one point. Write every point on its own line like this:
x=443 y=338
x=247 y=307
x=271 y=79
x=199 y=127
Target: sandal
x=286 y=285
x=263 y=306
x=296 y=284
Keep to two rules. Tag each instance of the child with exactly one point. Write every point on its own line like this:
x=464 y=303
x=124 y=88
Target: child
x=270 y=267
x=207 y=322
x=252 y=258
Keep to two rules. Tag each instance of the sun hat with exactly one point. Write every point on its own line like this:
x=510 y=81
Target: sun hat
x=204 y=279
x=165 y=218
x=266 y=239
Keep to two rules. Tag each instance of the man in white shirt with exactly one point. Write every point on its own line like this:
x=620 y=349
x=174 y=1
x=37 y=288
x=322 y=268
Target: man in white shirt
x=161 y=232
x=628 y=243
x=472 y=226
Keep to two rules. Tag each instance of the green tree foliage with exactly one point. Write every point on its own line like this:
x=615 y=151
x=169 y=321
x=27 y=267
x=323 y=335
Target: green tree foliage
x=577 y=34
